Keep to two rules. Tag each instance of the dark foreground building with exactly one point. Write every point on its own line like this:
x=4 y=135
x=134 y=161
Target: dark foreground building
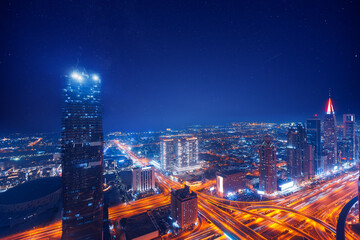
x=27 y=202
x=82 y=158
x=184 y=207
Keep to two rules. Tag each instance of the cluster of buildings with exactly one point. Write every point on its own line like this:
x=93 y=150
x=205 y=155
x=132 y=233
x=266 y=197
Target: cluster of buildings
x=312 y=149
x=308 y=155
x=179 y=153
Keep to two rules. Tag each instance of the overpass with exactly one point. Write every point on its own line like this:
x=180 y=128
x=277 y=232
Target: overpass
x=340 y=227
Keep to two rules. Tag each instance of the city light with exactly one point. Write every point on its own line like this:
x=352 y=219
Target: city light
x=286 y=186
x=230 y=91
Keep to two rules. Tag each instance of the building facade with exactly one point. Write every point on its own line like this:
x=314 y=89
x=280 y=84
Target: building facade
x=297 y=164
x=230 y=181
x=167 y=153
x=267 y=169
x=310 y=158
x=330 y=137
x=179 y=153
x=349 y=144
x=313 y=137
x=184 y=209
x=82 y=158
x=143 y=179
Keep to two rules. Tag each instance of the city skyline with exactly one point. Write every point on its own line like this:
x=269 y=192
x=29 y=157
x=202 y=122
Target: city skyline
x=185 y=120
x=221 y=56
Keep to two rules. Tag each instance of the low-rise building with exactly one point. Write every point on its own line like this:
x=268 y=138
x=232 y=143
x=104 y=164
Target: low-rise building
x=139 y=227
x=230 y=181
x=143 y=179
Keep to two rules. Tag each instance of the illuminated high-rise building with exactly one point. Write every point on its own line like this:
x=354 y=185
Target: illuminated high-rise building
x=267 y=169
x=186 y=151
x=167 y=153
x=313 y=137
x=349 y=150
x=82 y=158
x=143 y=179
x=179 y=153
x=297 y=164
x=330 y=137
x=310 y=159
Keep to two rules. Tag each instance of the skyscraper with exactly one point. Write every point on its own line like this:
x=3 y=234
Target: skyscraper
x=330 y=143
x=186 y=151
x=82 y=158
x=267 y=170
x=313 y=137
x=167 y=153
x=297 y=164
x=179 y=153
x=310 y=159
x=349 y=137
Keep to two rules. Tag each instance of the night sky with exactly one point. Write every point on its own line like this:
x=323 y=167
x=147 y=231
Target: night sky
x=179 y=63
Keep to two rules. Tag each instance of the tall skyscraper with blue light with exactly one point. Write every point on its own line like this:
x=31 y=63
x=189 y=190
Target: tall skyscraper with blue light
x=82 y=158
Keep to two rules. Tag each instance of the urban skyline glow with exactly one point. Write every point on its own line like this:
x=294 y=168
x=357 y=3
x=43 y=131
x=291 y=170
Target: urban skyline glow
x=181 y=120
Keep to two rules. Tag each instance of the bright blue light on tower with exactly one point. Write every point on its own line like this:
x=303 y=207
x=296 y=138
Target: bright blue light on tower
x=95 y=77
x=77 y=76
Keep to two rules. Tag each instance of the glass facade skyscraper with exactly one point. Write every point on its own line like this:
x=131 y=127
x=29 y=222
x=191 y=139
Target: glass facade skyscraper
x=297 y=163
x=313 y=137
x=267 y=162
x=330 y=137
x=349 y=150
x=82 y=158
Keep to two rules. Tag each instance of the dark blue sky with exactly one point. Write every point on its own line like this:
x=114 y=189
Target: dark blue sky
x=176 y=63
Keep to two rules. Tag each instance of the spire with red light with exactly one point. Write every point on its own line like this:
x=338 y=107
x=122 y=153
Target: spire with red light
x=330 y=107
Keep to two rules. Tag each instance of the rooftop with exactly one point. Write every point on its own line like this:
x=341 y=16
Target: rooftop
x=184 y=193
x=230 y=172
x=139 y=225
x=30 y=190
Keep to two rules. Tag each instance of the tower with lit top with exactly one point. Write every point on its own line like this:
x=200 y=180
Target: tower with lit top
x=82 y=158
x=267 y=168
x=330 y=136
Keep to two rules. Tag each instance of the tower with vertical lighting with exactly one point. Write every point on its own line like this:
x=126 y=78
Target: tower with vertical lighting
x=330 y=136
x=267 y=169
x=349 y=138
x=313 y=137
x=82 y=158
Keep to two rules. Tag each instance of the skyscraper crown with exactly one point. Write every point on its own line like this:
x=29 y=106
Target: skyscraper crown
x=330 y=107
